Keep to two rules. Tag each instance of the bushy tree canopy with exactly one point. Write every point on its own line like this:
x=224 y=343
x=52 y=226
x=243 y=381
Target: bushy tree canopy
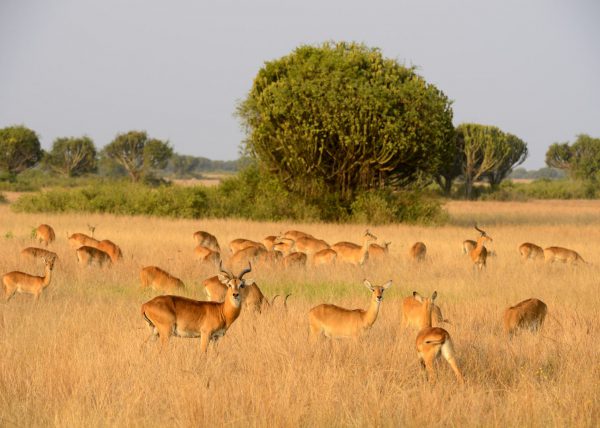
x=20 y=149
x=581 y=159
x=341 y=118
x=72 y=156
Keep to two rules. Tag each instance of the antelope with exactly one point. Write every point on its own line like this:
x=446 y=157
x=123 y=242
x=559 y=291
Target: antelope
x=352 y=253
x=160 y=280
x=38 y=253
x=183 y=317
x=110 y=248
x=551 y=254
x=252 y=296
x=206 y=254
x=528 y=314
x=77 y=240
x=296 y=234
x=530 y=251
x=379 y=252
x=269 y=242
x=24 y=283
x=431 y=341
x=207 y=240
x=412 y=310
x=310 y=245
x=479 y=253
x=45 y=234
x=254 y=255
x=284 y=245
x=91 y=255
x=468 y=245
x=297 y=259
x=324 y=257
x=418 y=251
x=336 y=322
x=241 y=243
x=291 y=257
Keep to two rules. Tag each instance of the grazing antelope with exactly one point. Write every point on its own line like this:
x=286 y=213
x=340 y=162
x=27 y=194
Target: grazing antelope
x=296 y=234
x=310 y=245
x=431 y=341
x=183 y=317
x=412 y=310
x=77 y=240
x=352 y=253
x=252 y=296
x=160 y=280
x=284 y=245
x=269 y=242
x=207 y=240
x=528 y=314
x=38 y=253
x=110 y=248
x=418 y=251
x=91 y=255
x=379 y=252
x=531 y=251
x=479 y=253
x=326 y=257
x=206 y=254
x=24 y=283
x=247 y=255
x=45 y=234
x=297 y=259
x=336 y=322
x=291 y=257
x=241 y=244
x=552 y=254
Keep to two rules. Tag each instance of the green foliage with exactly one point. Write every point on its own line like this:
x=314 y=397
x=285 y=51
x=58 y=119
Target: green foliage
x=550 y=173
x=339 y=118
x=72 y=156
x=544 y=189
x=184 y=166
x=2 y=198
x=19 y=149
x=581 y=159
x=517 y=154
x=138 y=154
x=559 y=156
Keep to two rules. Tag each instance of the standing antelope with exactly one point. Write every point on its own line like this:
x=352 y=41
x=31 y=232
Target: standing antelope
x=110 y=248
x=528 y=314
x=241 y=244
x=160 y=280
x=252 y=296
x=412 y=310
x=379 y=252
x=479 y=253
x=310 y=245
x=91 y=255
x=77 y=240
x=183 y=317
x=296 y=234
x=353 y=253
x=431 y=341
x=207 y=240
x=531 y=251
x=206 y=254
x=552 y=254
x=418 y=251
x=38 y=253
x=24 y=283
x=326 y=257
x=45 y=234
x=336 y=322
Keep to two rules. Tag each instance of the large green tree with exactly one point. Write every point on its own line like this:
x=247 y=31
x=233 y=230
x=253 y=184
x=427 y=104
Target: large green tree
x=487 y=151
x=340 y=118
x=581 y=159
x=20 y=149
x=138 y=154
x=72 y=156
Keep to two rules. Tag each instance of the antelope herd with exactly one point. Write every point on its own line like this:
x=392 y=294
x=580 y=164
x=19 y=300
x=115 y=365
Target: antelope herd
x=172 y=315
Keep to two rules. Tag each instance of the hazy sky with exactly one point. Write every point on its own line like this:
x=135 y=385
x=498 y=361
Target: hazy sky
x=177 y=68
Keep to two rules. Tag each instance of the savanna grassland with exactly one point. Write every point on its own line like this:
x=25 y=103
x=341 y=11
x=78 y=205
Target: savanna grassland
x=77 y=357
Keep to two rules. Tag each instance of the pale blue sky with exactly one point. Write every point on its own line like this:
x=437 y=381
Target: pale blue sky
x=178 y=68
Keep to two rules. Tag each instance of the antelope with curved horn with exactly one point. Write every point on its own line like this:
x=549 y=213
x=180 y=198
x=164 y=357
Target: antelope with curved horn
x=182 y=317
x=531 y=251
x=479 y=253
x=337 y=322
x=431 y=341
x=44 y=234
x=207 y=240
x=88 y=256
x=552 y=254
x=24 y=283
x=528 y=314
x=160 y=280
x=353 y=253
x=418 y=251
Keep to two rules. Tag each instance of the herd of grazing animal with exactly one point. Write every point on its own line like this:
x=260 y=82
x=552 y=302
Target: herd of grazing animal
x=171 y=315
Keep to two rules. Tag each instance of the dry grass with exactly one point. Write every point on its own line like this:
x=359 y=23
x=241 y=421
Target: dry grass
x=77 y=358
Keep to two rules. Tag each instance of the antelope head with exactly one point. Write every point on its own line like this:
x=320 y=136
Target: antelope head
x=483 y=234
x=234 y=283
x=377 y=290
x=369 y=236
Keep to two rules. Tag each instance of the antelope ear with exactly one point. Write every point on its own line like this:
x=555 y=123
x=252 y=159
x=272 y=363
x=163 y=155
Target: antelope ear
x=387 y=285
x=433 y=296
x=368 y=284
x=223 y=278
x=418 y=297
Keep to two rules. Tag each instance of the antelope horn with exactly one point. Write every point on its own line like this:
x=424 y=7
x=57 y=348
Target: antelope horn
x=285 y=301
x=229 y=274
x=273 y=299
x=245 y=271
x=479 y=230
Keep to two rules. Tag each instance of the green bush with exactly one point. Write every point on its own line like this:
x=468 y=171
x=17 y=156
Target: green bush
x=544 y=189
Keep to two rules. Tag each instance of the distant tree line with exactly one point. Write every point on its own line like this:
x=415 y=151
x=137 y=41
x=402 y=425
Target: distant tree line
x=131 y=154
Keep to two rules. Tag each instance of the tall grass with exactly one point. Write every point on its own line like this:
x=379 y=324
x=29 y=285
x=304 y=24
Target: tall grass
x=78 y=358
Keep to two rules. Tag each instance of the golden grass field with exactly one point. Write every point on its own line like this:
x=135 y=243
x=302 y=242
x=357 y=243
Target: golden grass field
x=77 y=357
